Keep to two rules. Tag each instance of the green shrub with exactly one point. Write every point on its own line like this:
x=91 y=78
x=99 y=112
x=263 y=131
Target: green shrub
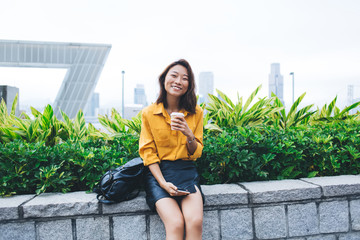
x=265 y=152
x=242 y=142
x=36 y=168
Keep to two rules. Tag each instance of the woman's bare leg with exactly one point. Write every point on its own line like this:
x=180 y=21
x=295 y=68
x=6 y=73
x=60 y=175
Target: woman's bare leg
x=192 y=209
x=170 y=213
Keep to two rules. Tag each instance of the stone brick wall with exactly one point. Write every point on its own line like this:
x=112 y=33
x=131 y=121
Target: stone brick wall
x=324 y=208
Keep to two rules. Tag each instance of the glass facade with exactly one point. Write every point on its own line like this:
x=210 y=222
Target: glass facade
x=276 y=82
x=83 y=61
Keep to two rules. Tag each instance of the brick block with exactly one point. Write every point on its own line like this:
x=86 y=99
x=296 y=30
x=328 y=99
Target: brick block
x=60 y=204
x=337 y=185
x=236 y=224
x=224 y=194
x=23 y=231
x=59 y=230
x=93 y=228
x=355 y=214
x=323 y=237
x=157 y=229
x=9 y=206
x=281 y=191
x=211 y=225
x=137 y=204
x=130 y=227
x=303 y=219
x=270 y=222
x=350 y=236
x=334 y=217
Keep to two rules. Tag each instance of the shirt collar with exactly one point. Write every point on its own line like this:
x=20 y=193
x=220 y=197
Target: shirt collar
x=159 y=109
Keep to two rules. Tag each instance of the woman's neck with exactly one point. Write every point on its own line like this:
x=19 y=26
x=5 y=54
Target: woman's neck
x=173 y=104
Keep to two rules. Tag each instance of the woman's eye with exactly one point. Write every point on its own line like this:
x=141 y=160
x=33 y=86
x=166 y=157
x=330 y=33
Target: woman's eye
x=185 y=79
x=173 y=75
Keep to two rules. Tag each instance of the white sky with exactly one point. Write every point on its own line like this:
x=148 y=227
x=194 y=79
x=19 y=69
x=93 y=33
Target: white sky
x=237 y=40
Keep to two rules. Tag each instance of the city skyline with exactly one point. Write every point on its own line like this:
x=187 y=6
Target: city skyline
x=236 y=40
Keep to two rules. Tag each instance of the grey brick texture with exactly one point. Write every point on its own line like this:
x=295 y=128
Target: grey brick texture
x=270 y=222
x=334 y=217
x=303 y=219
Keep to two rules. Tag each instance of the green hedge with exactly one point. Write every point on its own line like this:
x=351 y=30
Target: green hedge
x=36 y=168
x=233 y=155
x=267 y=153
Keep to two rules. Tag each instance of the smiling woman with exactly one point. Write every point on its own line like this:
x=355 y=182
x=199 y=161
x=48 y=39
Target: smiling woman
x=169 y=147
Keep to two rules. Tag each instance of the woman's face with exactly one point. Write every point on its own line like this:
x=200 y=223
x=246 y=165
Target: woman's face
x=176 y=81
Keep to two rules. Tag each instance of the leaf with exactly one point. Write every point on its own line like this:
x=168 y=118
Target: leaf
x=14 y=104
x=312 y=174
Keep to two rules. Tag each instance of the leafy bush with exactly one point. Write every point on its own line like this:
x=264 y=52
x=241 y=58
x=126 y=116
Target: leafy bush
x=242 y=142
x=265 y=152
x=35 y=167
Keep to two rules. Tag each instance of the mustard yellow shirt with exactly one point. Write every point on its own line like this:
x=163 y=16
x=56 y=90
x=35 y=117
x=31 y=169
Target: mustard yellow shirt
x=157 y=140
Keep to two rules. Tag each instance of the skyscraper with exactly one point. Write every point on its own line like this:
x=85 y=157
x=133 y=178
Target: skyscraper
x=8 y=93
x=93 y=105
x=206 y=86
x=139 y=95
x=276 y=82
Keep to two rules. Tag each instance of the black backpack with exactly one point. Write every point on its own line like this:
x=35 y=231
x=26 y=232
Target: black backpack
x=122 y=183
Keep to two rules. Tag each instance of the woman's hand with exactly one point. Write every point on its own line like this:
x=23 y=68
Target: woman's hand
x=179 y=123
x=172 y=189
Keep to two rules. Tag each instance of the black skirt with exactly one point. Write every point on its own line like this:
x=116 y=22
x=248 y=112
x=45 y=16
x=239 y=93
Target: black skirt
x=181 y=173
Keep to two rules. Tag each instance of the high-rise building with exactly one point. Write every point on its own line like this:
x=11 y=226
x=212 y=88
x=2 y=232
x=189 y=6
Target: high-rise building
x=93 y=105
x=139 y=95
x=352 y=99
x=206 y=86
x=276 y=82
x=8 y=93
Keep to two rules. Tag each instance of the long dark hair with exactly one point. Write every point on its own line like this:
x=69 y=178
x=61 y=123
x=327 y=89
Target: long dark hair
x=188 y=100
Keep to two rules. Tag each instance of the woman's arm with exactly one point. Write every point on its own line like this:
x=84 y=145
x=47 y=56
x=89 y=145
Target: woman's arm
x=167 y=186
x=192 y=138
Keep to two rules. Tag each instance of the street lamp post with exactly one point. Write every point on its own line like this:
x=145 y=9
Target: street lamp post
x=292 y=73
x=122 y=102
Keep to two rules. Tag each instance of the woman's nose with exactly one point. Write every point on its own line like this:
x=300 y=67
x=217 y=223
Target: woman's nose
x=178 y=80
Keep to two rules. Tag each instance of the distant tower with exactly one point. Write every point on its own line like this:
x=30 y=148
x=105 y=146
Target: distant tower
x=350 y=94
x=206 y=86
x=8 y=93
x=139 y=95
x=353 y=98
x=276 y=82
x=93 y=105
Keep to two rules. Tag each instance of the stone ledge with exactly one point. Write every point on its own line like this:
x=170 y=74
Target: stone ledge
x=81 y=203
x=9 y=206
x=337 y=185
x=61 y=204
x=137 y=204
x=281 y=191
x=224 y=194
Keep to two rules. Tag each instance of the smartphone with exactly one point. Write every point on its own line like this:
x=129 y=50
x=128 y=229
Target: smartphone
x=183 y=191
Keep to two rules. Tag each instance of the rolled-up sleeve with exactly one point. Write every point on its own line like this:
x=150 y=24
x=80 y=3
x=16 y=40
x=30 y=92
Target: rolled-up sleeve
x=147 y=148
x=198 y=133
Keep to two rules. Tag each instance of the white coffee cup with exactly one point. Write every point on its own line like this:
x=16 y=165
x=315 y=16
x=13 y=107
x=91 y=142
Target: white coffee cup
x=174 y=115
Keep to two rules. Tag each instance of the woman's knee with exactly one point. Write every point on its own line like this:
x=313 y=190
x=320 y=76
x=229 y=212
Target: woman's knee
x=194 y=222
x=175 y=224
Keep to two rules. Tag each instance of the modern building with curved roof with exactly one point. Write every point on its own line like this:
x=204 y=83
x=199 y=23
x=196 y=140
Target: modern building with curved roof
x=83 y=61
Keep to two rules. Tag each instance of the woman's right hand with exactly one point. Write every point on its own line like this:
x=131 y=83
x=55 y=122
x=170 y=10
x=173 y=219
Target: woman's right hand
x=172 y=189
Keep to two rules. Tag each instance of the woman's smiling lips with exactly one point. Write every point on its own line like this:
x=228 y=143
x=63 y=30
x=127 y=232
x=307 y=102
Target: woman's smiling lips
x=176 y=87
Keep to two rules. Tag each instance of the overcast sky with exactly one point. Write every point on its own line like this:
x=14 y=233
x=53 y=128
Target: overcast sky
x=318 y=40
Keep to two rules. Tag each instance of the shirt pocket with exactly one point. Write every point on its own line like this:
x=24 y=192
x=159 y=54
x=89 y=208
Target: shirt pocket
x=162 y=137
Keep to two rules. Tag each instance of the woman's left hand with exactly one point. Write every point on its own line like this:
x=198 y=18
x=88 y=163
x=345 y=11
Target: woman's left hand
x=179 y=123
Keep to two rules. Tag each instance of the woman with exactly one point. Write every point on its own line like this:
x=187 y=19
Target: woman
x=169 y=148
